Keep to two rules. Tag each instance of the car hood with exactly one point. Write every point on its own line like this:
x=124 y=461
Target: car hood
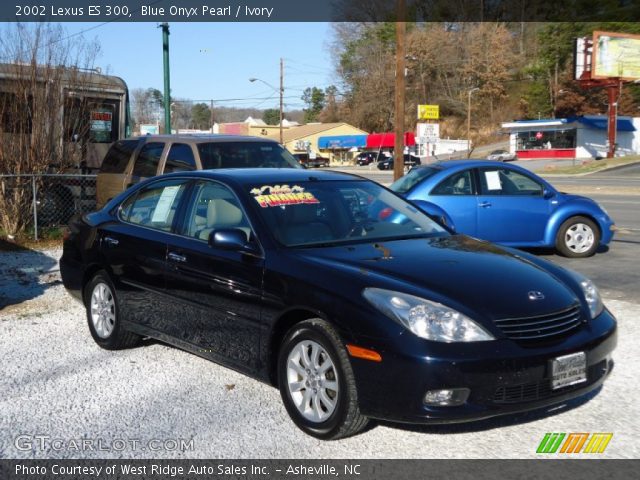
x=458 y=271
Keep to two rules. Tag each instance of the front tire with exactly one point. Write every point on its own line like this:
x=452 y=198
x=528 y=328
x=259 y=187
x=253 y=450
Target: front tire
x=578 y=237
x=103 y=315
x=317 y=383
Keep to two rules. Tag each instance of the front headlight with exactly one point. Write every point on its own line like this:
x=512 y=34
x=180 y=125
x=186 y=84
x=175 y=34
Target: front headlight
x=592 y=296
x=425 y=318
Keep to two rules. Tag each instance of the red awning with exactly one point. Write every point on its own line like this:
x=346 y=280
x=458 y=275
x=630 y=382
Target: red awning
x=388 y=140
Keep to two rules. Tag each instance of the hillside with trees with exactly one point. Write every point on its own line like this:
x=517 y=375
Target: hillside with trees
x=522 y=71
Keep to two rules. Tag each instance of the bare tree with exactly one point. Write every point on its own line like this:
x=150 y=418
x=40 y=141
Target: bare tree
x=41 y=108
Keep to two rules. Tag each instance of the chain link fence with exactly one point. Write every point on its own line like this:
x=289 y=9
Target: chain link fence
x=47 y=200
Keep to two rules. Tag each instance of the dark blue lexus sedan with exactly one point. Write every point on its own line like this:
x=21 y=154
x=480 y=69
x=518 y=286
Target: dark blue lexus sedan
x=294 y=278
x=508 y=204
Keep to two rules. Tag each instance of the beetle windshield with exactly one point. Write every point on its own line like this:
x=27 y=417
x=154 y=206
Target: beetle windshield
x=334 y=212
x=411 y=179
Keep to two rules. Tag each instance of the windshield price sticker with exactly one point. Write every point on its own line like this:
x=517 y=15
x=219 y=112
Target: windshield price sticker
x=279 y=195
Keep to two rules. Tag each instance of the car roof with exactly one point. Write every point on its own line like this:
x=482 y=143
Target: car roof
x=202 y=138
x=461 y=164
x=246 y=176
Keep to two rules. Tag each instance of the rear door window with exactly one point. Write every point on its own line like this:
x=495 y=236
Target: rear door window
x=118 y=156
x=147 y=162
x=155 y=206
x=180 y=159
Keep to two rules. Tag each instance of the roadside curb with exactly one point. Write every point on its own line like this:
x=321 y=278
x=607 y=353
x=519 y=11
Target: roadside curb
x=542 y=173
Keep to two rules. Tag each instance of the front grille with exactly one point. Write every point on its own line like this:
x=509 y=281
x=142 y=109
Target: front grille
x=541 y=326
x=530 y=392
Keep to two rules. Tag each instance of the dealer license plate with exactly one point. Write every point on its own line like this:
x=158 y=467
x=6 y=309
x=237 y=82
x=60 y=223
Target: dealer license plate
x=568 y=370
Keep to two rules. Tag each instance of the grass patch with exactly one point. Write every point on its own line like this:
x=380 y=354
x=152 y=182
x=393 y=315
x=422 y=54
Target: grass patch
x=592 y=166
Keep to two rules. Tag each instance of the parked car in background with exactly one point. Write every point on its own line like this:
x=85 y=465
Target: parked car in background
x=367 y=158
x=291 y=278
x=129 y=161
x=509 y=205
x=502 y=156
x=306 y=160
x=409 y=161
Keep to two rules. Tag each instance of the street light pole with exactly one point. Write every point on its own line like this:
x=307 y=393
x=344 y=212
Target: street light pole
x=281 y=99
x=281 y=91
x=167 y=87
x=469 y=119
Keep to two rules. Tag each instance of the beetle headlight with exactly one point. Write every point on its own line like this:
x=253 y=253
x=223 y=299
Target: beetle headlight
x=425 y=318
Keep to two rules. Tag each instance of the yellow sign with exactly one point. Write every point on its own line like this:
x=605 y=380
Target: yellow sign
x=428 y=112
x=616 y=55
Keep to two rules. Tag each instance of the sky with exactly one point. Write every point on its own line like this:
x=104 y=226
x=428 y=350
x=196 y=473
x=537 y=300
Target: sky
x=215 y=60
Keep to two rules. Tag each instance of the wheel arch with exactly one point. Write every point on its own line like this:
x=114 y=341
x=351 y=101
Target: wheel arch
x=556 y=221
x=280 y=328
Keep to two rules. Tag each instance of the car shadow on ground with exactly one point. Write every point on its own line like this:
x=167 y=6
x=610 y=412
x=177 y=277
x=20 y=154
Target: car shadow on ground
x=24 y=274
x=494 y=422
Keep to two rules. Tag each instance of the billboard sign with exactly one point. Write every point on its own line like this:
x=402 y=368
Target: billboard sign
x=428 y=112
x=616 y=55
x=149 y=129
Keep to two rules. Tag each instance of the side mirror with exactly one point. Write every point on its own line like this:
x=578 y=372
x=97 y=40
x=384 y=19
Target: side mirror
x=232 y=239
x=547 y=194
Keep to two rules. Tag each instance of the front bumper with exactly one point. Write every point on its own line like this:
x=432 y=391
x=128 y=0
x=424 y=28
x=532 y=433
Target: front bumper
x=503 y=377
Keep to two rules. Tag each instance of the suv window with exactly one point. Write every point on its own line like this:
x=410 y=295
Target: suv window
x=456 y=184
x=147 y=162
x=155 y=205
x=245 y=155
x=118 y=156
x=502 y=181
x=180 y=159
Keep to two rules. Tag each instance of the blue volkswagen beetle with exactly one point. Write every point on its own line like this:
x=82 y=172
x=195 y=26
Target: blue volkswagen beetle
x=507 y=204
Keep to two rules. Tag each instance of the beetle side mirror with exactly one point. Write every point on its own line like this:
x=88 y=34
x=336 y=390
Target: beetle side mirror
x=233 y=239
x=547 y=194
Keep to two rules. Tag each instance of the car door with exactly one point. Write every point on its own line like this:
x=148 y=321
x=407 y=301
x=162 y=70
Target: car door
x=219 y=291
x=456 y=195
x=135 y=247
x=511 y=207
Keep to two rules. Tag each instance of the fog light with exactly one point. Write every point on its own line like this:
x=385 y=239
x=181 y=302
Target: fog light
x=446 y=398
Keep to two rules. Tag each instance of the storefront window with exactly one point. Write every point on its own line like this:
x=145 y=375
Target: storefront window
x=541 y=140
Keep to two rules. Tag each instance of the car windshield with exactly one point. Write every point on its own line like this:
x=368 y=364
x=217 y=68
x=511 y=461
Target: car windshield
x=314 y=213
x=245 y=155
x=411 y=179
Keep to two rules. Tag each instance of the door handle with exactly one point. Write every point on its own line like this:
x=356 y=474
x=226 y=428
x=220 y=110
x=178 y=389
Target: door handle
x=176 y=257
x=485 y=204
x=111 y=241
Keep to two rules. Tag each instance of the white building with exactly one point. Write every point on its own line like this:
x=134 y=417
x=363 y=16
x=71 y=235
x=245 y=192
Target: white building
x=575 y=137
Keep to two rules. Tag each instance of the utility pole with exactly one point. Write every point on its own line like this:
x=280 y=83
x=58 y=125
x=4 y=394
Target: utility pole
x=211 y=116
x=398 y=150
x=469 y=120
x=167 y=87
x=281 y=99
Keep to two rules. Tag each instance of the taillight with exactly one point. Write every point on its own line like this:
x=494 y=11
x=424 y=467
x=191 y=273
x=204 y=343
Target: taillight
x=66 y=233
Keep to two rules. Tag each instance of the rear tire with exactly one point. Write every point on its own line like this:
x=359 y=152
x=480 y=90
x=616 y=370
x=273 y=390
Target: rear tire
x=317 y=383
x=578 y=237
x=103 y=315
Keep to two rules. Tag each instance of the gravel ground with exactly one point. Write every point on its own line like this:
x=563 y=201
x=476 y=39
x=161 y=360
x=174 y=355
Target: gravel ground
x=58 y=383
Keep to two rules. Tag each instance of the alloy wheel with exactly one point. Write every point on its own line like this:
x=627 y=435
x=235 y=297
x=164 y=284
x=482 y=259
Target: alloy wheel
x=312 y=381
